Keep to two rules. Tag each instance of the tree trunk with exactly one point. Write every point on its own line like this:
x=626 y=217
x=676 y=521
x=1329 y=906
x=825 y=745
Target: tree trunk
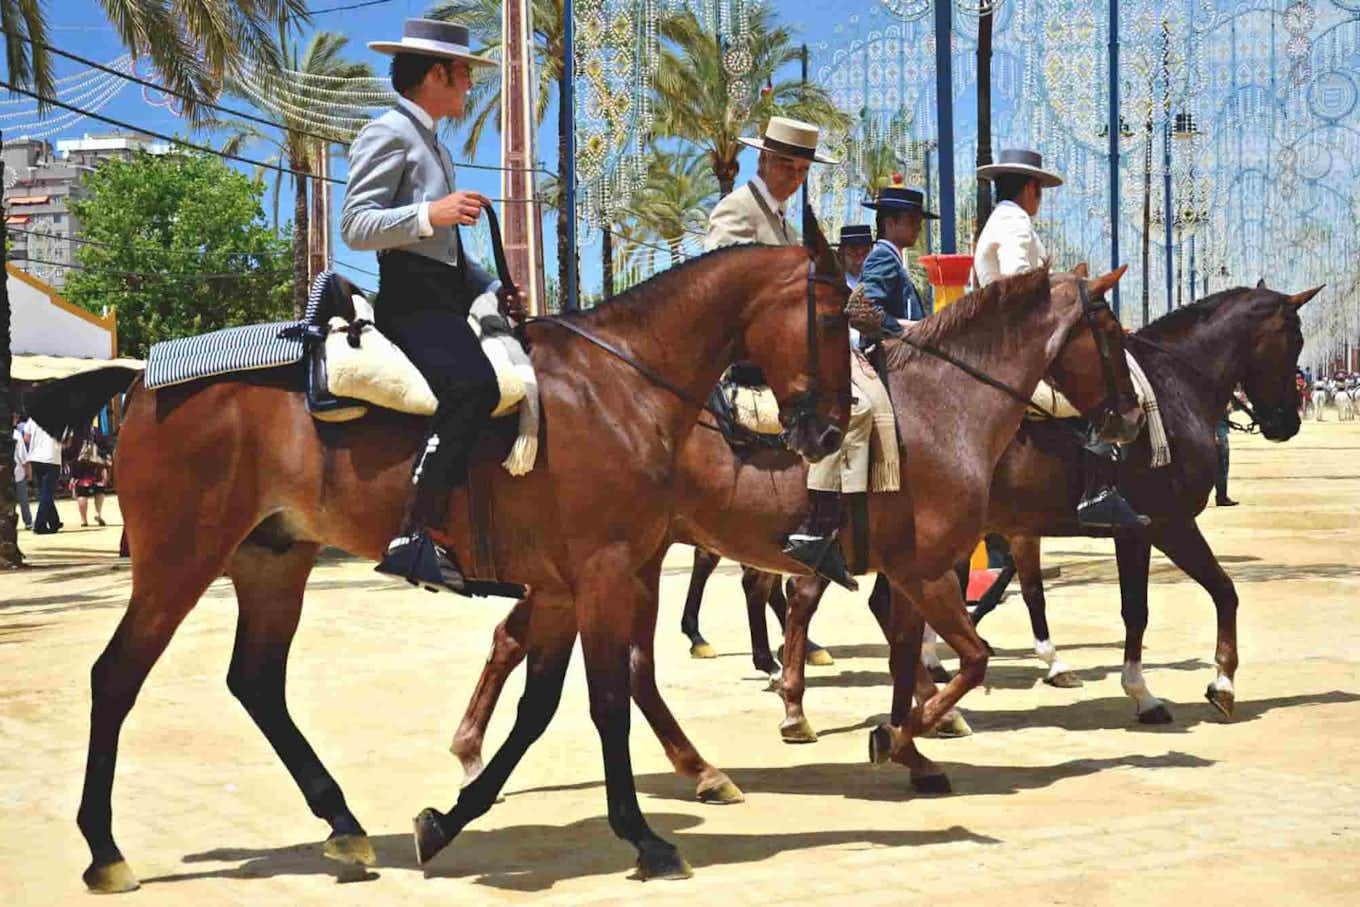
x=607 y=260
x=984 y=115
x=563 y=219
x=10 y=555
x=725 y=172
x=300 y=250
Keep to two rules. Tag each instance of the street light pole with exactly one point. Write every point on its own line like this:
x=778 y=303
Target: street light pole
x=567 y=168
x=1114 y=145
x=944 y=114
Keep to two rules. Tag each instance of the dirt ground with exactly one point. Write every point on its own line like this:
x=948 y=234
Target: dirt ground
x=1059 y=797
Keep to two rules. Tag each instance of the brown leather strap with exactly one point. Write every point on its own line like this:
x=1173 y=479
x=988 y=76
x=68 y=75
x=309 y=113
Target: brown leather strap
x=775 y=221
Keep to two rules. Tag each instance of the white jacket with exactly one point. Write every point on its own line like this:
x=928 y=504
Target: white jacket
x=1007 y=245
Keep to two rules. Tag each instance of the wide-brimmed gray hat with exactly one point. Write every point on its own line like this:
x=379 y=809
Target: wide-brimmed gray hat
x=1025 y=163
x=790 y=138
x=432 y=38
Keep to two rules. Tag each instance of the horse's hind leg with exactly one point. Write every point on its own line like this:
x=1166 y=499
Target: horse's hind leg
x=1186 y=547
x=1133 y=556
x=807 y=594
x=1025 y=550
x=758 y=586
x=705 y=562
x=269 y=587
x=166 y=585
x=818 y=656
x=508 y=648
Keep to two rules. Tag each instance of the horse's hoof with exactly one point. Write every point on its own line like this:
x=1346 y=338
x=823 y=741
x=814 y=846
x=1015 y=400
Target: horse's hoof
x=662 y=863
x=799 y=732
x=937 y=783
x=776 y=683
x=1223 y=700
x=1158 y=714
x=352 y=849
x=702 y=650
x=818 y=657
x=1065 y=680
x=429 y=835
x=939 y=674
x=880 y=745
x=724 y=793
x=953 y=725
x=111 y=878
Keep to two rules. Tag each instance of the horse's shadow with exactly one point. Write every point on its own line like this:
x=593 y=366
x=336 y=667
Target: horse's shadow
x=536 y=857
x=999 y=676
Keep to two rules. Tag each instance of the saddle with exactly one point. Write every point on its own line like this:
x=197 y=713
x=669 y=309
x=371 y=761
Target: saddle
x=746 y=410
x=351 y=366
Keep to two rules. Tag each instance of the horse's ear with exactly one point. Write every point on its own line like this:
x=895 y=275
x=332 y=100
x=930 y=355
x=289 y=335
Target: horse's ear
x=1261 y=284
x=1105 y=281
x=1082 y=271
x=1301 y=298
x=815 y=241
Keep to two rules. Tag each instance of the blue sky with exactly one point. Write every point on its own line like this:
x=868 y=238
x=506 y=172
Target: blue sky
x=81 y=27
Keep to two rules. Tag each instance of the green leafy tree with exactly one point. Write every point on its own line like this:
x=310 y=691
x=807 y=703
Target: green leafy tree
x=693 y=104
x=182 y=248
x=673 y=203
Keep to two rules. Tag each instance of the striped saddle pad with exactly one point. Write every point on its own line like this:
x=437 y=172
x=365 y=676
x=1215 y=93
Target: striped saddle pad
x=242 y=349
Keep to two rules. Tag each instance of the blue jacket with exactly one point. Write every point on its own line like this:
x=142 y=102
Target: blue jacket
x=885 y=281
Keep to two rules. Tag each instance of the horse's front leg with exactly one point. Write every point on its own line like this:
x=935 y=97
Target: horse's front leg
x=758 y=586
x=1133 y=556
x=705 y=562
x=806 y=594
x=1187 y=549
x=1025 y=550
x=508 y=648
x=940 y=602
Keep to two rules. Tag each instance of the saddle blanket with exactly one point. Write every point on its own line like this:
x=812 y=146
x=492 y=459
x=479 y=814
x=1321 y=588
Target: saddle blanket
x=241 y=349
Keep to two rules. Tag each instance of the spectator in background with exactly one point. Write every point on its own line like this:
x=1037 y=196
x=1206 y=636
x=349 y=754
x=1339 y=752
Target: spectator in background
x=87 y=453
x=44 y=456
x=21 y=471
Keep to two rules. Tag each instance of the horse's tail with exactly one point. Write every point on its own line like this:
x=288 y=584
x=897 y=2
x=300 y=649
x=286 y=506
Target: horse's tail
x=72 y=402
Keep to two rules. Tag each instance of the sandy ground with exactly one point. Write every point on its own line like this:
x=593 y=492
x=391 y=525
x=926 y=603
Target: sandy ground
x=1059 y=797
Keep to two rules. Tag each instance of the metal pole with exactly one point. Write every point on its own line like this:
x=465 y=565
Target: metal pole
x=567 y=168
x=1114 y=145
x=1192 y=267
x=925 y=165
x=1166 y=156
x=803 y=58
x=944 y=114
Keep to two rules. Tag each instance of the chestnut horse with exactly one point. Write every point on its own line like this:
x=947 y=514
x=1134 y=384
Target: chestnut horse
x=231 y=475
x=953 y=428
x=1194 y=358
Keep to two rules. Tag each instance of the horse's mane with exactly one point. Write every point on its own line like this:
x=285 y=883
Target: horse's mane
x=627 y=309
x=1179 y=322
x=1001 y=300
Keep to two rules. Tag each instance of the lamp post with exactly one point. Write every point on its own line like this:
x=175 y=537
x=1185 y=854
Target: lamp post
x=944 y=114
x=567 y=168
x=1113 y=128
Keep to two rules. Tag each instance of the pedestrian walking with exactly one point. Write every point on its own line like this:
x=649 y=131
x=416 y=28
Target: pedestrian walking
x=21 y=471
x=44 y=456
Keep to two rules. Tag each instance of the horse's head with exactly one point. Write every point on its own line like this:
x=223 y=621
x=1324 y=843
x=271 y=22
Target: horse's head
x=799 y=336
x=1090 y=369
x=1272 y=359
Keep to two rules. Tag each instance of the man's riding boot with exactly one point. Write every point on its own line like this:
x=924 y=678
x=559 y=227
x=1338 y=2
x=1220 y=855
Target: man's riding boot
x=1221 y=498
x=815 y=543
x=1102 y=506
x=413 y=555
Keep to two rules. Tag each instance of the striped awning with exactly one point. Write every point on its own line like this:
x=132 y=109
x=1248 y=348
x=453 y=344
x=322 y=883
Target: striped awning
x=28 y=199
x=12 y=219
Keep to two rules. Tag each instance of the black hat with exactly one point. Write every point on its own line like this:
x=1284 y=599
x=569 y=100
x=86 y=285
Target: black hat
x=900 y=198
x=433 y=38
x=856 y=235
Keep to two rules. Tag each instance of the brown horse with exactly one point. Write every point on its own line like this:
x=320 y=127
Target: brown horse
x=233 y=476
x=1194 y=358
x=954 y=428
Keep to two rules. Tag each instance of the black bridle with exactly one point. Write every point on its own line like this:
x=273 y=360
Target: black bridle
x=804 y=403
x=1091 y=308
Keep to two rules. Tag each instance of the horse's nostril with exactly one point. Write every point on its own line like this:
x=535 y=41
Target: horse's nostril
x=830 y=439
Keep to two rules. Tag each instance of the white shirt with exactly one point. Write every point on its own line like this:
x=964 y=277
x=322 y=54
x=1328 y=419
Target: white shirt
x=1007 y=245
x=20 y=453
x=424 y=119
x=777 y=207
x=42 y=447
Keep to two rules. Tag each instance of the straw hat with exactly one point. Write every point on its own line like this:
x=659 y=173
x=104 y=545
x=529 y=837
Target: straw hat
x=432 y=38
x=790 y=138
x=1026 y=163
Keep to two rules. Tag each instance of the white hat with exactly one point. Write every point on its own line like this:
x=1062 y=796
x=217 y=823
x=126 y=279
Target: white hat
x=789 y=138
x=1025 y=163
x=432 y=38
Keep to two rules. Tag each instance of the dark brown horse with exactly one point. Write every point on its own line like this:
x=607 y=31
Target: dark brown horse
x=953 y=427
x=1194 y=358
x=233 y=476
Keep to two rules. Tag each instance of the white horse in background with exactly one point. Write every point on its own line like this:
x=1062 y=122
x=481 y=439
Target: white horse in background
x=1345 y=398
x=1321 y=396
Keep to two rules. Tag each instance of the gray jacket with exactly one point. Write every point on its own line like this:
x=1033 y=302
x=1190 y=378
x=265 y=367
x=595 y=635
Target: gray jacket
x=395 y=164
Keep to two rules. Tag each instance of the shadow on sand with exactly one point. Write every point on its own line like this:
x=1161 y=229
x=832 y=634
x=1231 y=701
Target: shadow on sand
x=536 y=857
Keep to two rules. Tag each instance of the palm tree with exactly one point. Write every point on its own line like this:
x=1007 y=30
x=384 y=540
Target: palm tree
x=671 y=204
x=191 y=43
x=302 y=99
x=692 y=89
x=483 y=17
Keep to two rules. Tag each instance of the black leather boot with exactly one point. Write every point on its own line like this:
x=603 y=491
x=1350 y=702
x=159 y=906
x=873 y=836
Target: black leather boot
x=1102 y=506
x=413 y=555
x=815 y=544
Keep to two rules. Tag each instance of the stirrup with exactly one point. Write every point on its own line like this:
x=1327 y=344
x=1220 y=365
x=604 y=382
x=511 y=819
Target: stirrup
x=822 y=553
x=1107 y=509
x=418 y=560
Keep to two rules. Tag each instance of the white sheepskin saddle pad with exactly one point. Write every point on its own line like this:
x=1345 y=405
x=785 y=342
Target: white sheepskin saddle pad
x=757 y=409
